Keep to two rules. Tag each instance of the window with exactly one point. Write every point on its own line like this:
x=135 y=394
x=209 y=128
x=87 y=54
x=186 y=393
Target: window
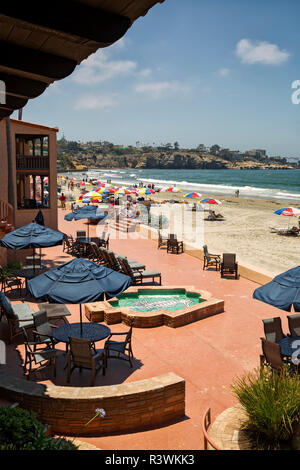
x=32 y=152
x=32 y=191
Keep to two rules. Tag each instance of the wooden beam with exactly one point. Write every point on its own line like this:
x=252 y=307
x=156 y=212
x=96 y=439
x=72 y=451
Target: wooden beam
x=21 y=86
x=47 y=66
x=70 y=17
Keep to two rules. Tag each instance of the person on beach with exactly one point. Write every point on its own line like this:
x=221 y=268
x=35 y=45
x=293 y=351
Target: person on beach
x=63 y=201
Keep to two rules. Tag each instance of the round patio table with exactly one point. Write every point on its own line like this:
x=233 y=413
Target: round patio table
x=91 y=331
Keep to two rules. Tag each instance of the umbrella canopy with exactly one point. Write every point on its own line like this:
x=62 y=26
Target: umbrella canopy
x=39 y=218
x=146 y=191
x=193 y=195
x=77 y=282
x=86 y=212
x=282 y=292
x=211 y=201
x=174 y=190
x=288 y=212
x=32 y=235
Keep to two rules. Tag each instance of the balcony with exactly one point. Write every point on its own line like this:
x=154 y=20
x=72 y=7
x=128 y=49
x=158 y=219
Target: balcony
x=29 y=162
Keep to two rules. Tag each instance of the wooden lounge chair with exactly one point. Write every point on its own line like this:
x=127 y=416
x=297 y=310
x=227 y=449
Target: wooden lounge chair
x=273 y=329
x=120 y=349
x=82 y=355
x=161 y=241
x=229 y=265
x=96 y=254
x=294 y=324
x=138 y=276
x=37 y=353
x=211 y=259
x=115 y=265
x=17 y=315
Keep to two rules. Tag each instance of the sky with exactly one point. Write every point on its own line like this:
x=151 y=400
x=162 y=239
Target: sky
x=190 y=71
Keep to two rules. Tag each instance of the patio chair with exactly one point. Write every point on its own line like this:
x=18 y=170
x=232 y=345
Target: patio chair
x=173 y=245
x=294 y=324
x=17 y=315
x=97 y=254
x=82 y=355
x=271 y=355
x=273 y=329
x=138 y=276
x=103 y=252
x=229 y=265
x=211 y=259
x=43 y=330
x=104 y=240
x=161 y=241
x=81 y=234
x=35 y=353
x=8 y=281
x=120 y=349
x=116 y=266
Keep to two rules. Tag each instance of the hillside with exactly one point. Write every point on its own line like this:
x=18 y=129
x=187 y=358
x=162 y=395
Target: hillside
x=72 y=155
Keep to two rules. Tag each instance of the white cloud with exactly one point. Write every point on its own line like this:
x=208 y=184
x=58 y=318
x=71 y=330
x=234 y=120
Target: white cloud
x=98 y=68
x=145 y=72
x=224 y=72
x=261 y=52
x=159 y=89
x=91 y=102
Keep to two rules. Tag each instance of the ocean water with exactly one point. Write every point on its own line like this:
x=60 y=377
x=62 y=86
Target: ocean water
x=265 y=184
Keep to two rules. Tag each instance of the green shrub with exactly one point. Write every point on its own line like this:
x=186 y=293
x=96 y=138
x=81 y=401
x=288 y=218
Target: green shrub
x=20 y=430
x=271 y=402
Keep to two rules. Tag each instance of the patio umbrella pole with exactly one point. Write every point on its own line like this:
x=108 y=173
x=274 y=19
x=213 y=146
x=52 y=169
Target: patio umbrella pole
x=80 y=320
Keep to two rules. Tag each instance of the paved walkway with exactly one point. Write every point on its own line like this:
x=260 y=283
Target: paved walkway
x=208 y=354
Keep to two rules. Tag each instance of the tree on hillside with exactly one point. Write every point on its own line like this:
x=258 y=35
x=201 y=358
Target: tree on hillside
x=176 y=145
x=214 y=149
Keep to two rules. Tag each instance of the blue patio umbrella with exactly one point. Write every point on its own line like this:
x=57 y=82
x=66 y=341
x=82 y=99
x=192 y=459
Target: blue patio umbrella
x=86 y=212
x=282 y=292
x=77 y=282
x=32 y=236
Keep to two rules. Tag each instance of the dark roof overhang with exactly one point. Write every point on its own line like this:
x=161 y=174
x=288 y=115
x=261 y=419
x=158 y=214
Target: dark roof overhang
x=41 y=42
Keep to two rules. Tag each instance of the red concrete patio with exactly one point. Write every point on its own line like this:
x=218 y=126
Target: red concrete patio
x=208 y=354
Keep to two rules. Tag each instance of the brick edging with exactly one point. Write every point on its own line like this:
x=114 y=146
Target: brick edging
x=129 y=406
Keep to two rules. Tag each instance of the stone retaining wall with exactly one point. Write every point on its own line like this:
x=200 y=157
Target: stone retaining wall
x=129 y=406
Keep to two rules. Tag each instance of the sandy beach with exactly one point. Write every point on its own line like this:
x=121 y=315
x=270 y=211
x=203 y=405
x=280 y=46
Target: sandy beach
x=245 y=230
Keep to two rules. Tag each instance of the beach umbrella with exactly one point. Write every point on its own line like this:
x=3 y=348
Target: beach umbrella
x=146 y=191
x=78 y=281
x=122 y=192
x=288 y=212
x=32 y=236
x=86 y=212
x=282 y=292
x=192 y=195
x=211 y=201
x=174 y=190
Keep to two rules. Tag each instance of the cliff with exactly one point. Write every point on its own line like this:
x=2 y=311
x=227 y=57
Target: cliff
x=164 y=160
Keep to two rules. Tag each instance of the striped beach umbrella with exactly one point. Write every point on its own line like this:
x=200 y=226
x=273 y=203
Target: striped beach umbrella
x=122 y=192
x=288 y=212
x=211 y=201
x=192 y=195
x=146 y=191
x=174 y=190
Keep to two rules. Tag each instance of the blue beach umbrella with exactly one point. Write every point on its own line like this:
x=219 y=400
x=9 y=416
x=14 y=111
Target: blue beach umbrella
x=282 y=292
x=86 y=212
x=77 y=282
x=32 y=236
